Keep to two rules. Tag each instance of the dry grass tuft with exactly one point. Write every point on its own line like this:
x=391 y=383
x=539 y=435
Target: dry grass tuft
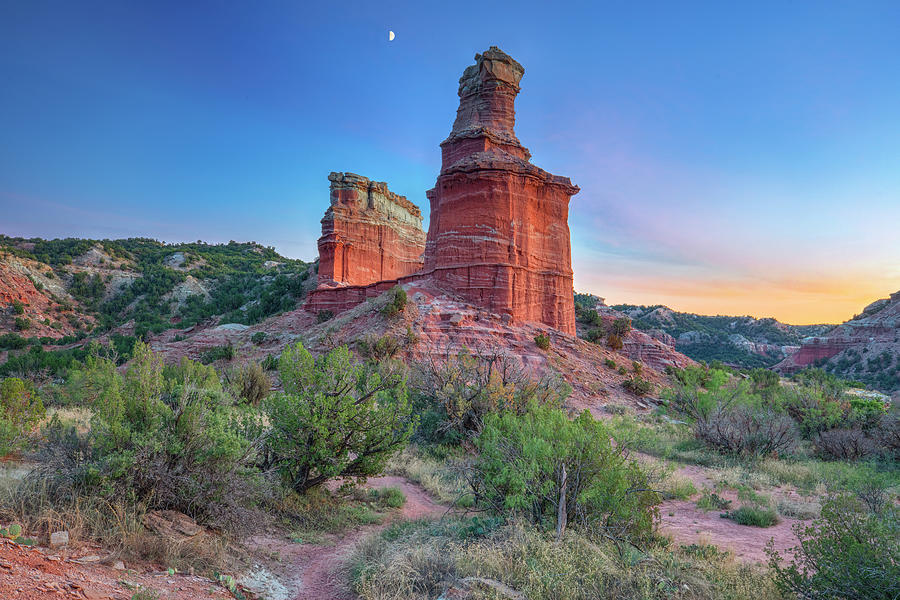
x=427 y=559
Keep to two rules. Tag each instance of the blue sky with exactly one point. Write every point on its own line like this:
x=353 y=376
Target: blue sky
x=732 y=159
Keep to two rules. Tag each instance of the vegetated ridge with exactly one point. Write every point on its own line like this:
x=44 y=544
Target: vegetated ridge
x=742 y=341
x=866 y=348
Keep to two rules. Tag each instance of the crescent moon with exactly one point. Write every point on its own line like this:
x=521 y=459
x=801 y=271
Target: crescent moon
x=390 y=36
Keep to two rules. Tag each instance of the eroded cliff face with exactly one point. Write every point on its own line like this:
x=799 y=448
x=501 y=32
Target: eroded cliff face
x=498 y=234
x=369 y=233
x=867 y=347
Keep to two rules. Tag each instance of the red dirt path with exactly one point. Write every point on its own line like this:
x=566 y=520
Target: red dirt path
x=322 y=577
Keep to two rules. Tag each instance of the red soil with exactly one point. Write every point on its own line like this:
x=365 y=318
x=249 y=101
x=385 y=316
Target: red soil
x=35 y=573
x=323 y=578
x=690 y=525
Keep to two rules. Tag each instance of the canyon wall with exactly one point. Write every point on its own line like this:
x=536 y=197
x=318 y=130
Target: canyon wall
x=369 y=233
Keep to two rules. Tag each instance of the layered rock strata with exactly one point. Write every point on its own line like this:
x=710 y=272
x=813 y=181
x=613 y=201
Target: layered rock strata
x=867 y=335
x=369 y=233
x=498 y=233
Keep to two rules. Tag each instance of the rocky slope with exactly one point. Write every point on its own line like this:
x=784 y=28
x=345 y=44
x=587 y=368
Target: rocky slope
x=63 y=291
x=433 y=325
x=865 y=348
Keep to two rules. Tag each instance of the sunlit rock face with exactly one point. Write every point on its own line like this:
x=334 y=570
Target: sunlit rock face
x=499 y=234
x=369 y=233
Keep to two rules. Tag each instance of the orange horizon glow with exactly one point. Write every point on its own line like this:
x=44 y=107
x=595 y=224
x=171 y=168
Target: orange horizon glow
x=796 y=303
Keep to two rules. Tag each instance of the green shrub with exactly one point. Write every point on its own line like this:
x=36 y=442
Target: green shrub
x=755 y=516
x=378 y=348
x=765 y=382
x=595 y=335
x=712 y=501
x=20 y=411
x=324 y=315
x=23 y=323
x=867 y=412
x=390 y=497
x=251 y=383
x=335 y=418
x=637 y=367
x=164 y=438
x=396 y=303
x=462 y=389
x=610 y=363
x=225 y=352
x=269 y=363
x=528 y=462
x=621 y=326
x=614 y=341
x=542 y=341
x=638 y=385
x=18 y=308
x=848 y=552
x=12 y=341
x=259 y=337
x=622 y=371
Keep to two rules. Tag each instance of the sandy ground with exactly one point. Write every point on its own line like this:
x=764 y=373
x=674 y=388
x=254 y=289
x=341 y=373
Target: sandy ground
x=688 y=524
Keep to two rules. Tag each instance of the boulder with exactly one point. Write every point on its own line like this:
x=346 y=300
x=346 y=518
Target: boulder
x=59 y=539
x=171 y=524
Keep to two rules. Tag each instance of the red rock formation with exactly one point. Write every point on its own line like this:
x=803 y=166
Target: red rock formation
x=499 y=234
x=369 y=233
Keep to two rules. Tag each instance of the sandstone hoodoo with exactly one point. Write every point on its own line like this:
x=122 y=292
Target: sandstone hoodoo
x=369 y=233
x=498 y=235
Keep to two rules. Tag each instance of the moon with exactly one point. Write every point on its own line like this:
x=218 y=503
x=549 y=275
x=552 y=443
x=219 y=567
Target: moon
x=390 y=36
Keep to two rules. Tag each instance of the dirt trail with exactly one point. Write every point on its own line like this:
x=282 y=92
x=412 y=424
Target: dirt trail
x=689 y=525
x=316 y=571
x=323 y=578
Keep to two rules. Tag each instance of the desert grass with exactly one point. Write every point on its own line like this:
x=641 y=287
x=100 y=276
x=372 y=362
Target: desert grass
x=117 y=525
x=318 y=514
x=753 y=515
x=439 y=478
x=671 y=441
x=427 y=559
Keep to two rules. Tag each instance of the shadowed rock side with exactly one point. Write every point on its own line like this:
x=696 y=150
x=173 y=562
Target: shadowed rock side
x=498 y=235
x=369 y=233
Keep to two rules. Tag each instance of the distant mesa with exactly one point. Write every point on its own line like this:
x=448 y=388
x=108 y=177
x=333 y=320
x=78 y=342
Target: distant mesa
x=498 y=235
